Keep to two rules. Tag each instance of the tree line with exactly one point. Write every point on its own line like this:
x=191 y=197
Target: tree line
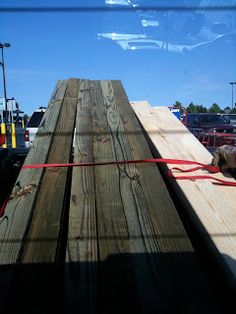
x=215 y=108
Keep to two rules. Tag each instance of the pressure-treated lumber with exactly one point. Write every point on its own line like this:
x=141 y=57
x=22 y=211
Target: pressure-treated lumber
x=82 y=253
x=42 y=240
x=16 y=219
x=144 y=261
x=127 y=248
x=38 y=272
x=17 y=213
x=212 y=207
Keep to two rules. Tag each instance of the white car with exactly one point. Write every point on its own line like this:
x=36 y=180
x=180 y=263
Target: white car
x=32 y=126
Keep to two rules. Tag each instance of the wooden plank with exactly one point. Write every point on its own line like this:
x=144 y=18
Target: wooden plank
x=43 y=237
x=38 y=275
x=82 y=254
x=211 y=207
x=18 y=211
x=113 y=238
x=143 y=247
x=16 y=219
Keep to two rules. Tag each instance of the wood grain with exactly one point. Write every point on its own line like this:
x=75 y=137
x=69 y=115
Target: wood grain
x=18 y=212
x=127 y=249
x=17 y=216
x=38 y=273
x=82 y=253
x=142 y=243
x=43 y=237
x=211 y=207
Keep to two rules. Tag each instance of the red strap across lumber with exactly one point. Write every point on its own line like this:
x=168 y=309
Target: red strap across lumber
x=209 y=168
x=122 y=162
x=200 y=177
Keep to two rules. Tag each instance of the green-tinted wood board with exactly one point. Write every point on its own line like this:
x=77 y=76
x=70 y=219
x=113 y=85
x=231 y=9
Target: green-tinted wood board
x=43 y=236
x=82 y=254
x=38 y=274
x=17 y=217
x=18 y=211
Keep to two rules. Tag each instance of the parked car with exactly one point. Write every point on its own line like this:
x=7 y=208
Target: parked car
x=32 y=126
x=207 y=122
x=211 y=129
x=230 y=118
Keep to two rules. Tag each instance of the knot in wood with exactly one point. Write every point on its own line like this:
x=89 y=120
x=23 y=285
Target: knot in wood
x=18 y=192
x=113 y=118
x=136 y=177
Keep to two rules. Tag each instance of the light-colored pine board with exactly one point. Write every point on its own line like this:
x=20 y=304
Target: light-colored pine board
x=82 y=253
x=18 y=211
x=213 y=205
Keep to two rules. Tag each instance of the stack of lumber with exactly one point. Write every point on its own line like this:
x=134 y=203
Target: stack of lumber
x=211 y=207
x=100 y=239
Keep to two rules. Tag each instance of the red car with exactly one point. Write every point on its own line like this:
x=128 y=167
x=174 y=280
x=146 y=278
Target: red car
x=211 y=129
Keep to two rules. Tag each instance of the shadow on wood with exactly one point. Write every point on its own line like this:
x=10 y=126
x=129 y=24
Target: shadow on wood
x=123 y=284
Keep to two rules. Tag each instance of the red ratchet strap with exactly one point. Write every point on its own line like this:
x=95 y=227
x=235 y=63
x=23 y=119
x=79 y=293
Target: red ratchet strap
x=209 y=168
x=201 y=177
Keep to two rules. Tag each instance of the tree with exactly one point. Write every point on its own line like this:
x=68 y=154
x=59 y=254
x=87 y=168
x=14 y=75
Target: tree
x=233 y=110
x=177 y=104
x=201 y=109
x=215 y=108
x=191 y=108
x=196 y=108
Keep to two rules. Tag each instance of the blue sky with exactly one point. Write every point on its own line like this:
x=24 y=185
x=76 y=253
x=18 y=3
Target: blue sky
x=160 y=56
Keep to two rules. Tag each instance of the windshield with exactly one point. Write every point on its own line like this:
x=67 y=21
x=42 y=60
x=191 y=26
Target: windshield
x=35 y=119
x=212 y=119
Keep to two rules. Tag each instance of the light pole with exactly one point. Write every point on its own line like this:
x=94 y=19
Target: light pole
x=232 y=83
x=2 y=46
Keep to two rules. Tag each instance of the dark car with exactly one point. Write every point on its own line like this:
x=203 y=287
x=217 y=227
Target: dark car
x=212 y=130
x=207 y=122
